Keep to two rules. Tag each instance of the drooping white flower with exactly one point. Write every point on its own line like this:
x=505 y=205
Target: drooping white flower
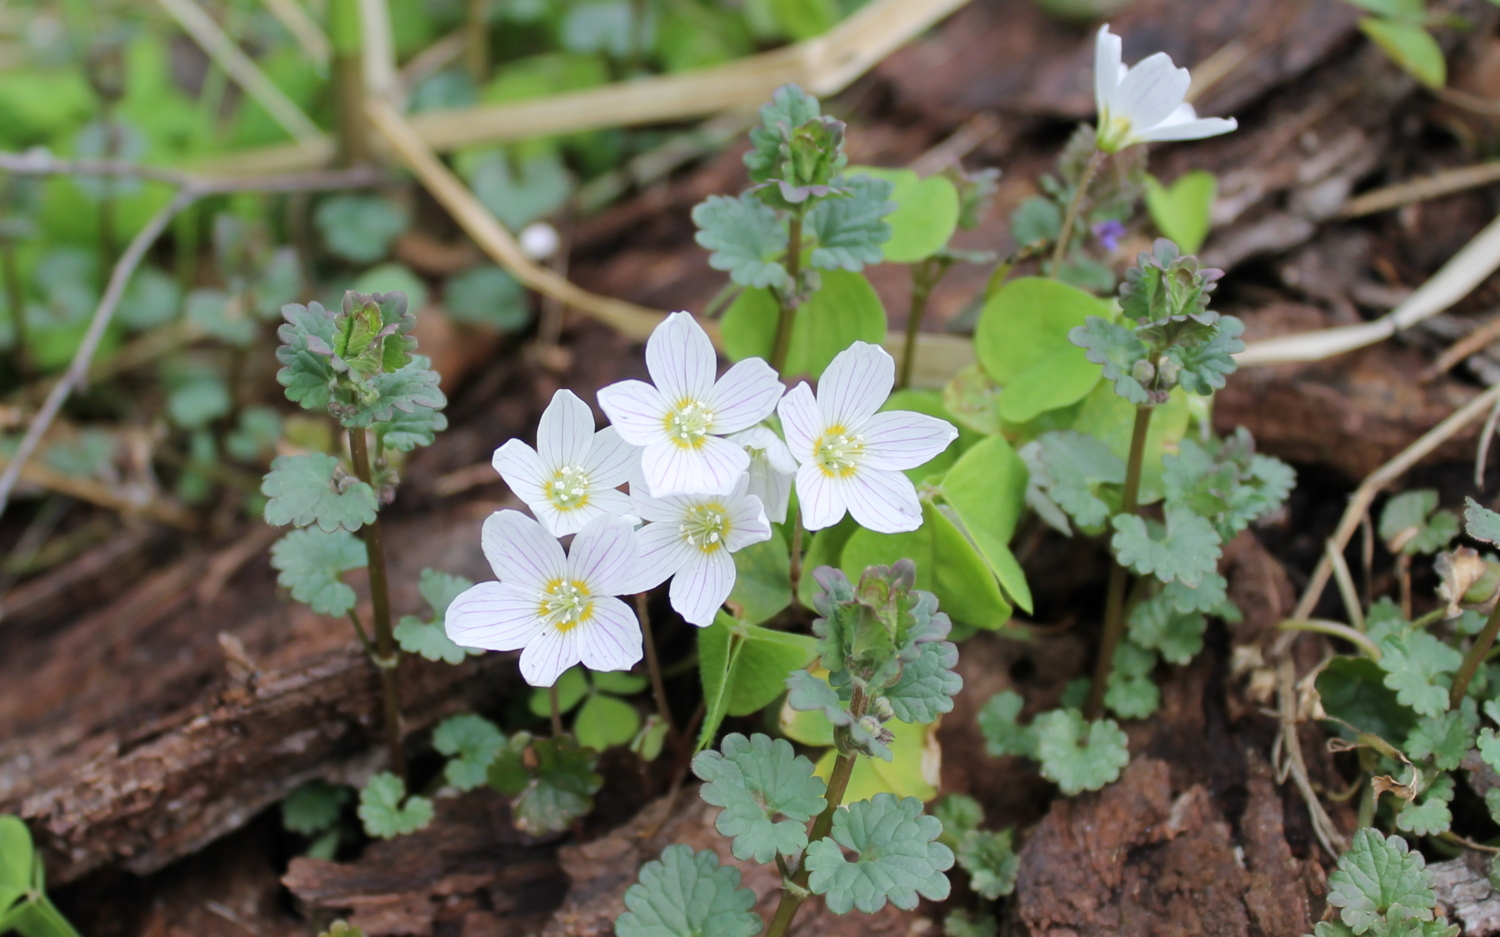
x=851 y=456
x=680 y=420
x=771 y=470
x=1146 y=103
x=557 y=608
x=571 y=476
x=691 y=537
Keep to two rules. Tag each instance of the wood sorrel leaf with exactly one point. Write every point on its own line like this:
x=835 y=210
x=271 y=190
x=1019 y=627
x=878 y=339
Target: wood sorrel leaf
x=926 y=214
x=1022 y=341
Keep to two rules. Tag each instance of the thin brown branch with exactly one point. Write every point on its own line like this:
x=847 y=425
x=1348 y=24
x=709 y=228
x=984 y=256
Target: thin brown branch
x=1476 y=341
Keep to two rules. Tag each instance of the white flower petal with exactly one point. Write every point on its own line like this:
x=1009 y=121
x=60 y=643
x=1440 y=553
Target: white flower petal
x=637 y=411
x=603 y=555
x=1191 y=130
x=611 y=638
x=712 y=468
x=1151 y=91
x=565 y=432
x=681 y=359
x=745 y=395
x=610 y=459
x=772 y=488
x=522 y=470
x=520 y=551
x=765 y=439
x=611 y=502
x=559 y=523
x=819 y=497
x=493 y=616
x=885 y=502
x=700 y=587
x=801 y=421
x=855 y=385
x=545 y=658
x=747 y=524
x=662 y=553
x=902 y=439
x=1107 y=52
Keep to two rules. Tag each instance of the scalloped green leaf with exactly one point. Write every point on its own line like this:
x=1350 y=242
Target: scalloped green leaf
x=306 y=489
x=310 y=562
x=755 y=781
x=896 y=857
x=688 y=894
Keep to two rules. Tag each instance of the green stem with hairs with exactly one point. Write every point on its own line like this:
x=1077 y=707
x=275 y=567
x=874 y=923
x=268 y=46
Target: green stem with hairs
x=838 y=785
x=1114 y=603
x=1060 y=250
x=791 y=298
x=1478 y=651
x=388 y=656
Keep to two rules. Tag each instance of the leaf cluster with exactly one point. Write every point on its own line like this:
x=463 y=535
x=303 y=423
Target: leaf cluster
x=1382 y=888
x=551 y=782
x=1075 y=754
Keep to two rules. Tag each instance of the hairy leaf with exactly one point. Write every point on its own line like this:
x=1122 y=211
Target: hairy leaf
x=896 y=859
x=310 y=563
x=1070 y=468
x=927 y=685
x=406 y=431
x=1418 y=667
x=1002 y=735
x=1078 y=755
x=991 y=862
x=1481 y=523
x=756 y=780
x=1185 y=549
x=746 y=237
x=1429 y=814
x=1158 y=625
x=306 y=355
x=307 y=489
x=1411 y=524
x=471 y=743
x=688 y=894
x=850 y=230
x=313 y=807
x=1380 y=880
x=1120 y=352
x=1204 y=366
x=383 y=812
x=1445 y=739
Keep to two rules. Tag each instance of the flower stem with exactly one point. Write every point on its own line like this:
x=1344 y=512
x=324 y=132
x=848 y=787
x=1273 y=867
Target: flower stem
x=924 y=277
x=15 y=300
x=1114 y=607
x=790 y=300
x=1336 y=630
x=349 y=82
x=1477 y=653
x=556 y=707
x=838 y=785
x=794 y=572
x=658 y=689
x=380 y=599
x=1060 y=250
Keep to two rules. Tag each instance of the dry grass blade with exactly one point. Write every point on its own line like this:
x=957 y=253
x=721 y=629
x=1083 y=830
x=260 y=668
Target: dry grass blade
x=303 y=28
x=823 y=65
x=1437 y=185
x=1476 y=341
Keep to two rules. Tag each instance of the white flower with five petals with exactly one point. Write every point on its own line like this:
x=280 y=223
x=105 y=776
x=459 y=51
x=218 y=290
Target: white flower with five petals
x=557 y=608
x=771 y=470
x=1146 y=103
x=851 y=455
x=572 y=475
x=691 y=537
x=680 y=420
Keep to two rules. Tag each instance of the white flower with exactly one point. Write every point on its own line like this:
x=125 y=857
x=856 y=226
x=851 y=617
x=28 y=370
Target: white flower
x=771 y=470
x=851 y=456
x=1145 y=103
x=679 y=421
x=539 y=240
x=571 y=476
x=557 y=609
x=691 y=538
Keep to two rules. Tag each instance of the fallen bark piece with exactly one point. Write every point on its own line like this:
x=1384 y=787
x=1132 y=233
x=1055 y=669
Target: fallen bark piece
x=469 y=868
x=1463 y=888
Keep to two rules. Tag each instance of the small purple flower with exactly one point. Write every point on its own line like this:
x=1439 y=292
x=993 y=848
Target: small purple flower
x=1109 y=234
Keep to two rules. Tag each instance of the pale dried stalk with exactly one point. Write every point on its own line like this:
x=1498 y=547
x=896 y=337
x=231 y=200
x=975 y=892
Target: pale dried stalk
x=304 y=29
x=1437 y=185
x=237 y=65
x=823 y=65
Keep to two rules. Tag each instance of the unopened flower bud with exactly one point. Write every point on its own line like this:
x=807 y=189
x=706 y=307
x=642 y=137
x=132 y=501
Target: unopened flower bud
x=1143 y=372
x=1469 y=581
x=1167 y=374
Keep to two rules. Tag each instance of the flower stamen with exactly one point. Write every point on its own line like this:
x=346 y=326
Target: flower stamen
x=565 y=604
x=837 y=452
x=689 y=423
x=569 y=488
x=705 y=526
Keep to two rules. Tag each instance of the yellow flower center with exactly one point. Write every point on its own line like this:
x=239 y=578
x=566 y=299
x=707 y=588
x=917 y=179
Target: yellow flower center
x=566 y=604
x=705 y=526
x=689 y=423
x=569 y=488
x=1114 y=132
x=837 y=451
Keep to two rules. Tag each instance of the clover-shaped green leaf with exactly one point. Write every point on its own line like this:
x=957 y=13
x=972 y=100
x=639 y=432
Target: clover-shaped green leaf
x=1078 y=755
x=756 y=780
x=1418 y=667
x=313 y=807
x=746 y=237
x=1411 y=523
x=1186 y=548
x=309 y=562
x=309 y=489
x=406 y=431
x=1446 y=738
x=551 y=781
x=849 y=230
x=927 y=685
x=430 y=638
x=896 y=859
x=688 y=894
x=471 y=743
x=1120 y=352
x=383 y=812
x=1158 y=625
x=1002 y=734
x=1429 y=814
x=1380 y=881
x=991 y=862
